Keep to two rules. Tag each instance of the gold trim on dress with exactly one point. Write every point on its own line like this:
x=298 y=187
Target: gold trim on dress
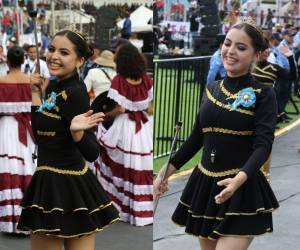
x=268 y=230
x=232 y=95
x=218 y=174
x=226 y=131
x=46 y=133
x=264 y=76
x=270 y=66
x=62 y=210
x=71 y=236
x=60 y=171
x=51 y=115
x=226 y=106
x=266 y=72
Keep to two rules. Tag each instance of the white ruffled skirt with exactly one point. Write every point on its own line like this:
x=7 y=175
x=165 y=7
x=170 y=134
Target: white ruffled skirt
x=16 y=170
x=125 y=168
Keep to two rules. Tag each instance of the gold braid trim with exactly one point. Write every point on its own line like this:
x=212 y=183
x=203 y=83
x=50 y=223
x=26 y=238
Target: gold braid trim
x=225 y=106
x=51 y=115
x=226 y=131
x=48 y=231
x=44 y=133
x=232 y=95
x=60 y=171
x=62 y=210
x=218 y=174
x=63 y=95
x=265 y=72
x=264 y=76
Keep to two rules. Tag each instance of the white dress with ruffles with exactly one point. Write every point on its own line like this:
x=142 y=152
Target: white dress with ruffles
x=16 y=148
x=125 y=165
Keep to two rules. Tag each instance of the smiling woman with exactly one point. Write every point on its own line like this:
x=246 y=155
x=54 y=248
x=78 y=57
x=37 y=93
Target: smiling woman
x=64 y=203
x=227 y=200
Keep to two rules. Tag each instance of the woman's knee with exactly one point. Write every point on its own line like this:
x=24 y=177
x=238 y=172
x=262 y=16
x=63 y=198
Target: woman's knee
x=206 y=244
x=44 y=242
x=236 y=243
x=81 y=243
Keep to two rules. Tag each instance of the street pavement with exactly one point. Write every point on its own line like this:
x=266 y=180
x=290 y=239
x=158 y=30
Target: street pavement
x=285 y=181
x=119 y=236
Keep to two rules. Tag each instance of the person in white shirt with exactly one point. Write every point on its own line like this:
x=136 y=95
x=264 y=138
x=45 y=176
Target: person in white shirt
x=98 y=80
x=29 y=64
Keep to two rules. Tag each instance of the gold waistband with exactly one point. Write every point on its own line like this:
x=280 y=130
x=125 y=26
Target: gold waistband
x=218 y=174
x=61 y=171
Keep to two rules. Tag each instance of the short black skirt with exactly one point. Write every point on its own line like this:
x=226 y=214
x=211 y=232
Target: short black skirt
x=247 y=213
x=65 y=203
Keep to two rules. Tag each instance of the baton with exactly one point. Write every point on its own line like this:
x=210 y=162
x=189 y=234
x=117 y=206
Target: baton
x=173 y=147
x=33 y=15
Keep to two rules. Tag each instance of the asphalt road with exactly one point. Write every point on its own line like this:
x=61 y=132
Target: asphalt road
x=285 y=181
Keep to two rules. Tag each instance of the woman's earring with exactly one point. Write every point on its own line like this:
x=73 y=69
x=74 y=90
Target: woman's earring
x=78 y=70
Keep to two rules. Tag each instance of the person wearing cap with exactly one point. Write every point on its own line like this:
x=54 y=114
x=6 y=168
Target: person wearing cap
x=216 y=67
x=98 y=80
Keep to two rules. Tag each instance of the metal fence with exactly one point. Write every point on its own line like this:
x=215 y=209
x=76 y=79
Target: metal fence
x=178 y=87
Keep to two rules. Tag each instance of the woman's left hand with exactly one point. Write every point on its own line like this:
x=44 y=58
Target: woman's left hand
x=231 y=185
x=86 y=120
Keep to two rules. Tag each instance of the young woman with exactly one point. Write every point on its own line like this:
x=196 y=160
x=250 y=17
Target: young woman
x=16 y=140
x=64 y=204
x=227 y=200
x=125 y=160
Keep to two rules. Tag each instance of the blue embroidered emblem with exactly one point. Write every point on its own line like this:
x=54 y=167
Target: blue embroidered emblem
x=48 y=104
x=245 y=97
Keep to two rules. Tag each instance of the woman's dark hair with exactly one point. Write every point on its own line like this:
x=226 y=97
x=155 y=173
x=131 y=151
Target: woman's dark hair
x=265 y=44
x=253 y=32
x=81 y=46
x=130 y=62
x=15 y=56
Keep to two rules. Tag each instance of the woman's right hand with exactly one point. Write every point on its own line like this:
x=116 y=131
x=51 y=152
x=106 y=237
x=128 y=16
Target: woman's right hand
x=36 y=81
x=160 y=186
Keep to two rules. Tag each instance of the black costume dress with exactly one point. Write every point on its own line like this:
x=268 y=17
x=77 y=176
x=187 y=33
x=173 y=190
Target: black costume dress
x=232 y=140
x=64 y=198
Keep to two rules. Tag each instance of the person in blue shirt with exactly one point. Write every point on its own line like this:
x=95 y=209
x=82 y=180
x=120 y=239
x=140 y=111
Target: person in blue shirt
x=216 y=67
x=126 y=30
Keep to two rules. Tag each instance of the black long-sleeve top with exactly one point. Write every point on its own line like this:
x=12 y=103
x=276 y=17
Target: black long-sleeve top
x=242 y=138
x=267 y=73
x=56 y=147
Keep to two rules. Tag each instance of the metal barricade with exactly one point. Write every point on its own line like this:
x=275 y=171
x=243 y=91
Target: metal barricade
x=178 y=88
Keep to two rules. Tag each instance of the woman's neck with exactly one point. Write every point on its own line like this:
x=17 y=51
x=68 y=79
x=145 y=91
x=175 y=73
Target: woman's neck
x=134 y=81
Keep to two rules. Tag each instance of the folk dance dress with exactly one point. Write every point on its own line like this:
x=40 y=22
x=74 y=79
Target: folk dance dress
x=64 y=198
x=233 y=138
x=16 y=148
x=125 y=166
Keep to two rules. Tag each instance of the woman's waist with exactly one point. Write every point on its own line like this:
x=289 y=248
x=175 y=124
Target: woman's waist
x=60 y=165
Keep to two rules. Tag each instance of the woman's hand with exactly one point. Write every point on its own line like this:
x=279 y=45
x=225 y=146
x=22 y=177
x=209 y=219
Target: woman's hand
x=86 y=120
x=285 y=50
x=231 y=185
x=160 y=186
x=37 y=82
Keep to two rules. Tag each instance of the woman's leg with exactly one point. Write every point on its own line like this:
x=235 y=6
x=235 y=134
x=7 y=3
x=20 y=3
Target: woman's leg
x=44 y=242
x=207 y=244
x=236 y=243
x=81 y=243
